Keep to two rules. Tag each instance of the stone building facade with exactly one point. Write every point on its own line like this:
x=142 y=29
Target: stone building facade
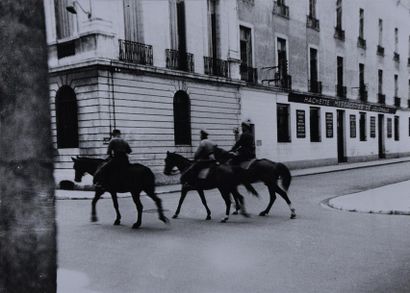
x=322 y=81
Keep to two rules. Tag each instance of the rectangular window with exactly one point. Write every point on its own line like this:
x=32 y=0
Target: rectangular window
x=396 y=85
x=213 y=26
x=380 y=81
x=352 y=126
x=361 y=23
x=380 y=32
x=339 y=14
x=313 y=64
x=361 y=75
x=246 y=45
x=282 y=58
x=314 y=124
x=389 y=128
x=132 y=21
x=396 y=39
x=65 y=21
x=339 y=71
x=283 y=123
x=396 y=128
x=312 y=8
x=362 y=126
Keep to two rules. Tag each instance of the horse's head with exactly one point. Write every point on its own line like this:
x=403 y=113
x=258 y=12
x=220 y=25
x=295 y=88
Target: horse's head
x=79 y=170
x=170 y=163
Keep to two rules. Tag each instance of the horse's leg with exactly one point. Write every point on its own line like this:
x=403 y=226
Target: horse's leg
x=138 y=204
x=202 y=196
x=227 y=198
x=117 y=210
x=272 y=199
x=284 y=195
x=97 y=196
x=237 y=206
x=240 y=203
x=184 y=192
x=158 y=202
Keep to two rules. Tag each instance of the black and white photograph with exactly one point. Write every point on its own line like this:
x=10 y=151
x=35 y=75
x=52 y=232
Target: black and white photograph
x=204 y=146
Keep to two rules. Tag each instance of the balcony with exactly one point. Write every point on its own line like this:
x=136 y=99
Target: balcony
x=217 y=67
x=281 y=9
x=341 y=91
x=361 y=43
x=380 y=51
x=397 y=102
x=363 y=93
x=315 y=86
x=312 y=22
x=179 y=61
x=381 y=99
x=339 y=33
x=396 y=57
x=248 y=74
x=134 y=52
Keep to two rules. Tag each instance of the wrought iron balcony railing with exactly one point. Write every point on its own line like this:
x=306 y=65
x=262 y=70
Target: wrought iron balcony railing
x=179 y=60
x=315 y=86
x=396 y=57
x=363 y=93
x=248 y=74
x=341 y=91
x=312 y=22
x=339 y=33
x=217 y=67
x=397 y=102
x=361 y=43
x=380 y=50
x=281 y=9
x=278 y=75
x=381 y=99
x=134 y=52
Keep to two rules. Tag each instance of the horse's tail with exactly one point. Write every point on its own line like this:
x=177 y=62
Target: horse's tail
x=285 y=175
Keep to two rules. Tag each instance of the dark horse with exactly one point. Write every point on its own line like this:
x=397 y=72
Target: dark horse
x=135 y=179
x=265 y=171
x=220 y=177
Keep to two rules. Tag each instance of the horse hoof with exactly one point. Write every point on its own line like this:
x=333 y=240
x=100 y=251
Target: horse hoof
x=262 y=214
x=117 y=222
x=208 y=218
x=175 y=216
x=136 y=225
x=293 y=216
x=246 y=215
x=94 y=219
x=224 y=220
x=164 y=219
x=235 y=213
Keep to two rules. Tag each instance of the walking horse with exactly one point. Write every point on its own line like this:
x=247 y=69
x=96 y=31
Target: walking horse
x=136 y=178
x=220 y=177
x=262 y=170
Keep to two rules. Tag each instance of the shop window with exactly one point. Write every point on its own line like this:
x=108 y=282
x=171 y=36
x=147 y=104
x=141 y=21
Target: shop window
x=182 y=118
x=314 y=124
x=352 y=126
x=362 y=126
x=389 y=128
x=66 y=118
x=283 y=123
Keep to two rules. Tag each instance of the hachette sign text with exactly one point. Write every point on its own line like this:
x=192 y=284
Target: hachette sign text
x=346 y=104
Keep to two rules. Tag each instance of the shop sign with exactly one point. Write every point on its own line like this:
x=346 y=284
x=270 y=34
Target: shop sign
x=329 y=124
x=345 y=104
x=300 y=124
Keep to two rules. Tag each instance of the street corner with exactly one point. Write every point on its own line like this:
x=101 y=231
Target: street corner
x=392 y=199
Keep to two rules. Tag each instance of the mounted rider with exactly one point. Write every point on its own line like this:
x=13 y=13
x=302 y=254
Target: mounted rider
x=117 y=150
x=244 y=148
x=204 y=157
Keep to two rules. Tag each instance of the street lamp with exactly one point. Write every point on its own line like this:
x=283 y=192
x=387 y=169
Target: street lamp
x=72 y=8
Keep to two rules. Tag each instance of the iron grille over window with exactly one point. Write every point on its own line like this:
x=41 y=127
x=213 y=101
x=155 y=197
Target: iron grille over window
x=283 y=123
x=66 y=118
x=135 y=52
x=214 y=66
x=182 y=118
x=248 y=74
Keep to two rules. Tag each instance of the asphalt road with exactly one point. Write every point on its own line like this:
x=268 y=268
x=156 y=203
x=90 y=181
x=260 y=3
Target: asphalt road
x=323 y=250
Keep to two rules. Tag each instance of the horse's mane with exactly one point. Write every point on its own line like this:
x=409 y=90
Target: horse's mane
x=181 y=156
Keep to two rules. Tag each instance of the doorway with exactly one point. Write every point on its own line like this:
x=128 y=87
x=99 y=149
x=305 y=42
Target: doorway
x=380 y=125
x=341 y=152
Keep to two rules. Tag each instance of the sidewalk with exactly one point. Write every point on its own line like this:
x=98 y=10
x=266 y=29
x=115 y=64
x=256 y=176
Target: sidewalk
x=84 y=190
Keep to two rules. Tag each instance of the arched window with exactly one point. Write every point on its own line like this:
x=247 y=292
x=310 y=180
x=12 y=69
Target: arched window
x=66 y=118
x=182 y=118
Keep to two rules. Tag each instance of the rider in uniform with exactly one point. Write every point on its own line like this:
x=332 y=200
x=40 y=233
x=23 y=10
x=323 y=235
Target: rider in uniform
x=204 y=157
x=244 y=148
x=118 y=150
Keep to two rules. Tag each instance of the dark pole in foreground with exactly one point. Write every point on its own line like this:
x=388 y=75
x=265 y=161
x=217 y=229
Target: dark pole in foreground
x=27 y=207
